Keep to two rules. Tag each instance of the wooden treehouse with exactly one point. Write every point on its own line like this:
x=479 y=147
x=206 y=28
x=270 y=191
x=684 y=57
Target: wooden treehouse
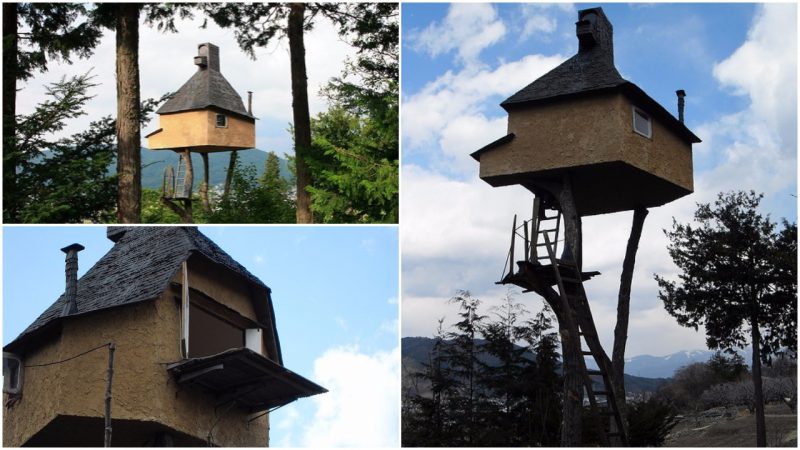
x=205 y=115
x=585 y=141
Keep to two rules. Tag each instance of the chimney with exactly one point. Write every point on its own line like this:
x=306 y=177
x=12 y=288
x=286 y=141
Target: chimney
x=595 y=34
x=71 y=270
x=208 y=57
x=681 y=94
x=250 y=102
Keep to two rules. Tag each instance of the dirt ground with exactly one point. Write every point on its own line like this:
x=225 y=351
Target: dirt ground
x=738 y=429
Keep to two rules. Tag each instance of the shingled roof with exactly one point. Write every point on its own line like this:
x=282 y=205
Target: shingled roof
x=138 y=268
x=206 y=88
x=591 y=71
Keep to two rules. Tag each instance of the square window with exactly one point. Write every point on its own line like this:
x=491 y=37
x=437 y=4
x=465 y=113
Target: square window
x=222 y=121
x=642 y=123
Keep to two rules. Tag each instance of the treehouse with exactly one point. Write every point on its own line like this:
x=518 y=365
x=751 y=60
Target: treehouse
x=186 y=334
x=619 y=147
x=206 y=114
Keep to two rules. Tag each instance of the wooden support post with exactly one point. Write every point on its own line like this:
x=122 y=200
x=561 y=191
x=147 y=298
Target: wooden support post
x=187 y=189
x=111 y=348
x=185 y=309
x=527 y=240
x=204 y=184
x=511 y=254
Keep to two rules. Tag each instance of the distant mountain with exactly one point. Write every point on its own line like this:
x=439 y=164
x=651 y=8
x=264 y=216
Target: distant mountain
x=154 y=162
x=415 y=353
x=665 y=366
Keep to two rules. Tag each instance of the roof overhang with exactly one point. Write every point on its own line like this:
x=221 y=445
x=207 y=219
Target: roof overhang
x=245 y=377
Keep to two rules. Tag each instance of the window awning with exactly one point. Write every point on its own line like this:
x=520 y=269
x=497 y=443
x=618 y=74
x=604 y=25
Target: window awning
x=246 y=377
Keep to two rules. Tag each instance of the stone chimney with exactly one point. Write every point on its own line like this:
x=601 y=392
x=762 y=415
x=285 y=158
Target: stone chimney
x=71 y=270
x=595 y=34
x=208 y=57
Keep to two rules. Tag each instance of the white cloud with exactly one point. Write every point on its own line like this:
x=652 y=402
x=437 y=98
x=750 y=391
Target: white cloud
x=468 y=28
x=539 y=18
x=362 y=406
x=456 y=102
x=165 y=63
x=258 y=259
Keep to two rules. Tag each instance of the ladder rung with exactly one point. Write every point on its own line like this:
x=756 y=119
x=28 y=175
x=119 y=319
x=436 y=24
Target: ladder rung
x=587 y=353
x=594 y=372
x=603 y=393
x=548 y=231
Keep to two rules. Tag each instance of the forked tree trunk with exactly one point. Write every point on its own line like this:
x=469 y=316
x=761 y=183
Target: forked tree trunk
x=188 y=184
x=623 y=309
x=302 y=121
x=10 y=48
x=128 y=134
x=758 y=391
x=204 y=184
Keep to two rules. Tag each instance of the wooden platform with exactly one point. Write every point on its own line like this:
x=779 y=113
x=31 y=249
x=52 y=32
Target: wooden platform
x=530 y=276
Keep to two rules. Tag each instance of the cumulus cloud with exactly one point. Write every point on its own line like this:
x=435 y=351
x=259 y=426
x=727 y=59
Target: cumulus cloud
x=362 y=406
x=468 y=28
x=450 y=113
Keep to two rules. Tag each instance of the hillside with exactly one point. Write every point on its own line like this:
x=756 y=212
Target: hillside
x=154 y=162
x=415 y=351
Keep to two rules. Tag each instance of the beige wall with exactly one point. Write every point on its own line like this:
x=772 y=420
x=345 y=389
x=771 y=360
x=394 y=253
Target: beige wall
x=147 y=337
x=586 y=131
x=197 y=130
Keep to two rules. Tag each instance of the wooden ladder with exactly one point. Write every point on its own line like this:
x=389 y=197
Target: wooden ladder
x=180 y=180
x=577 y=311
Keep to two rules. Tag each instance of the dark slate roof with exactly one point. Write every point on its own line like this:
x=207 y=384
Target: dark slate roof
x=138 y=268
x=582 y=73
x=207 y=88
x=590 y=72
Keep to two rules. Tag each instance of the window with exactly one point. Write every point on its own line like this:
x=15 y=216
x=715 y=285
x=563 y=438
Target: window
x=211 y=334
x=222 y=121
x=12 y=374
x=642 y=123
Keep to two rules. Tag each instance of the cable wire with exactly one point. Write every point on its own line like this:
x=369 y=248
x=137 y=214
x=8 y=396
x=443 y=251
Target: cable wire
x=70 y=358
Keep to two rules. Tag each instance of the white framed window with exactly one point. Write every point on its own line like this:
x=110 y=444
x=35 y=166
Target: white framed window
x=642 y=123
x=222 y=121
x=12 y=374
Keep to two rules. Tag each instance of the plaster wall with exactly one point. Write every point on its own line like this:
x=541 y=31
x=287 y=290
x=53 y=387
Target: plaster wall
x=582 y=132
x=40 y=400
x=147 y=337
x=197 y=130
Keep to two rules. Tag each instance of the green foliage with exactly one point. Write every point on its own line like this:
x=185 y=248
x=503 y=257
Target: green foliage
x=63 y=180
x=736 y=270
x=355 y=169
x=649 y=422
x=727 y=368
x=154 y=210
x=254 y=199
x=489 y=392
x=53 y=31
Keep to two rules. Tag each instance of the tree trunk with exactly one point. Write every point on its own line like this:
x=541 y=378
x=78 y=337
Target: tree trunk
x=229 y=175
x=758 y=391
x=204 y=184
x=187 y=189
x=10 y=48
x=302 y=121
x=128 y=133
x=623 y=309
x=571 y=421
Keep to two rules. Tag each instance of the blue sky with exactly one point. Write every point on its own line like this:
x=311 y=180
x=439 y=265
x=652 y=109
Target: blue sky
x=737 y=63
x=335 y=292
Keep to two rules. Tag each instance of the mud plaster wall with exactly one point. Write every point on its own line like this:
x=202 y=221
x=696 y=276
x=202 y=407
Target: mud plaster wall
x=198 y=128
x=39 y=402
x=664 y=155
x=147 y=337
x=586 y=131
